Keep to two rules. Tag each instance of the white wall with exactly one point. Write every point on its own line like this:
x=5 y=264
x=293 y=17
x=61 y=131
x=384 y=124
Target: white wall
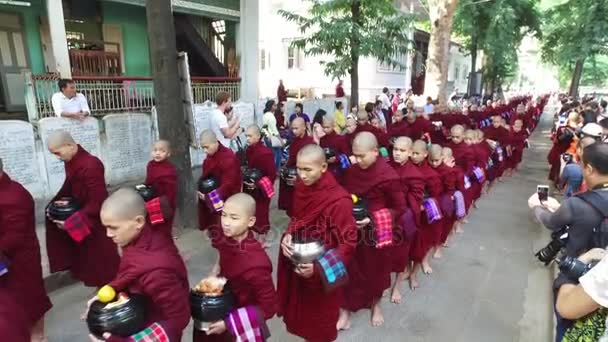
x=459 y=68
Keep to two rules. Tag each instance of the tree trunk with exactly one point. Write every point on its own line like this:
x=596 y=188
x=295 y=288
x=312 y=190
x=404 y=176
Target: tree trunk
x=354 y=54
x=474 y=43
x=441 y=13
x=576 y=77
x=169 y=106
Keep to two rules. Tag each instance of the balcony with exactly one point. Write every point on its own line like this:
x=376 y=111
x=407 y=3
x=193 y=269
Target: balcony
x=94 y=58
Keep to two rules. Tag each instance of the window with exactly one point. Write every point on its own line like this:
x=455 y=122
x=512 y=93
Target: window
x=220 y=28
x=385 y=67
x=294 y=58
x=262 y=59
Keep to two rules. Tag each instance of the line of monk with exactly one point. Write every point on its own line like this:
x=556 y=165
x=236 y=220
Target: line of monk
x=415 y=198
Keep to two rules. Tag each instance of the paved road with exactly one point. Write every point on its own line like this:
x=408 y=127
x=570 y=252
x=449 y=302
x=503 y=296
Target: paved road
x=487 y=287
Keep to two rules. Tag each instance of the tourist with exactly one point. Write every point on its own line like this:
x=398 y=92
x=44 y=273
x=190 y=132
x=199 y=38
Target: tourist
x=339 y=118
x=68 y=103
x=271 y=132
x=428 y=107
x=299 y=113
x=225 y=130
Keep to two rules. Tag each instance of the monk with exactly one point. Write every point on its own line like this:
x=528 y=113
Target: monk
x=459 y=205
x=374 y=181
x=300 y=139
x=418 y=127
x=223 y=165
x=364 y=125
x=20 y=249
x=150 y=266
x=498 y=137
x=309 y=300
x=399 y=126
x=430 y=232
x=448 y=180
x=243 y=261
x=161 y=175
x=561 y=142
x=13 y=319
x=412 y=187
x=483 y=156
x=261 y=158
x=338 y=143
x=465 y=160
x=80 y=244
x=470 y=138
x=518 y=144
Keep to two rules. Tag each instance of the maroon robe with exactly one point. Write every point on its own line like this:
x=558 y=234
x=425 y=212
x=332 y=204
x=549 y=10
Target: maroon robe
x=162 y=177
x=482 y=152
x=340 y=145
x=249 y=272
x=465 y=160
x=449 y=182
x=555 y=154
x=322 y=211
x=19 y=245
x=94 y=261
x=430 y=233
x=501 y=136
x=518 y=144
x=14 y=323
x=381 y=136
x=417 y=129
x=398 y=129
x=151 y=266
x=261 y=157
x=286 y=191
x=370 y=269
x=412 y=187
x=224 y=166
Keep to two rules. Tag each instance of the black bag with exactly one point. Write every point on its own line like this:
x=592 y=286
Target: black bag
x=567 y=135
x=600 y=233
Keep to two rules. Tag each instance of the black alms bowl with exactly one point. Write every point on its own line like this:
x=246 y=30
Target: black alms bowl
x=206 y=185
x=122 y=320
x=360 y=211
x=211 y=308
x=252 y=176
x=62 y=208
x=329 y=152
x=146 y=192
x=289 y=172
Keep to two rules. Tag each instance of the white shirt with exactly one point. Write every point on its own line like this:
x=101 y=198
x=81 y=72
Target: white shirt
x=429 y=108
x=63 y=104
x=386 y=103
x=218 y=121
x=595 y=282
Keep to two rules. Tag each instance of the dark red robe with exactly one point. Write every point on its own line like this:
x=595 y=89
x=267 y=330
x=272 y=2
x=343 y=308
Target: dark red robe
x=381 y=136
x=554 y=156
x=14 y=323
x=518 y=144
x=151 y=266
x=19 y=245
x=412 y=187
x=322 y=211
x=224 y=166
x=449 y=182
x=430 y=233
x=260 y=157
x=94 y=261
x=370 y=269
x=501 y=136
x=162 y=177
x=398 y=129
x=286 y=191
x=419 y=128
x=340 y=145
x=249 y=272
x=465 y=160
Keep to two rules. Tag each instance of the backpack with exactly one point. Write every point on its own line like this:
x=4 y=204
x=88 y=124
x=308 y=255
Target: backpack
x=600 y=233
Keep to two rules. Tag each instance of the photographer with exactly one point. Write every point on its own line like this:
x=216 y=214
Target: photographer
x=576 y=214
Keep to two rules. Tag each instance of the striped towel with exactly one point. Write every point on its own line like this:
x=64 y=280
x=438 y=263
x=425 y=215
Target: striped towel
x=461 y=210
x=216 y=200
x=467 y=182
x=334 y=271
x=344 y=161
x=383 y=227
x=246 y=324
x=3 y=267
x=77 y=227
x=431 y=207
x=155 y=212
x=500 y=153
x=153 y=333
x=266 y=186
x=479 y=174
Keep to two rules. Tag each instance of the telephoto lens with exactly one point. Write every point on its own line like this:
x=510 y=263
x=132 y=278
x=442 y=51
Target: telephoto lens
x=549 y=252
x=574 y=268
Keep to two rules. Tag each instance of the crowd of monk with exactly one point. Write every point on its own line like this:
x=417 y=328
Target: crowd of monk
x=418 y=179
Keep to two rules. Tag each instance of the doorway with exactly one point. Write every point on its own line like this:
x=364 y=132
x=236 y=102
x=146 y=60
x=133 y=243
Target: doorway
x=13 y=60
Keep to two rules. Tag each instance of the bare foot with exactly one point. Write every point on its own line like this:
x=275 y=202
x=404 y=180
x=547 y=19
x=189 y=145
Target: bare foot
x=426 y=268
x=437 y=255
x=396 y=295
x=377 y=317
x=414 y=283
x=475 y=205
x=344 y=320
x=465 y=221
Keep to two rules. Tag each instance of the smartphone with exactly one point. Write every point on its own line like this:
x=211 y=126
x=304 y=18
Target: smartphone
x=543 y=192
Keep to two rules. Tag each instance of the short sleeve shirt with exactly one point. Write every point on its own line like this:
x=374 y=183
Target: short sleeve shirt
x=219 y=121
x=63 y=104
x=595 y=282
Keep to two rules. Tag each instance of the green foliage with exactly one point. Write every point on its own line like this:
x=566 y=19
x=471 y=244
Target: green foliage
x=344 y=30
x=496 y=27
x=595 y=72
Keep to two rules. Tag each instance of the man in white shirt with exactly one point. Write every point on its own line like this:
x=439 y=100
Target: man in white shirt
x=224 y=130
x=386 y=103
x=68 y=103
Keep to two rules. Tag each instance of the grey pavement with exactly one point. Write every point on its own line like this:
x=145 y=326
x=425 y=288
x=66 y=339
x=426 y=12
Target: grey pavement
x=487 y=286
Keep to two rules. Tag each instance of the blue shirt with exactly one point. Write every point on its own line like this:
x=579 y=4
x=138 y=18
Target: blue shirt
x=300 y=115
x=572 y=176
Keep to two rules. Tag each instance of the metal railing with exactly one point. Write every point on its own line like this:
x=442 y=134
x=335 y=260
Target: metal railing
x=122 y=94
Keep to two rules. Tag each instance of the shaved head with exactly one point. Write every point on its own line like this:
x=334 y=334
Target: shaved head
x=254 y=130
x=298 y=127
x=365 y=141
x=362 y=116
x=59 y=138
x=404 y=142
x=420 y=146
x=298 y=122
x=435 y=151
x=447 y=152
x=164 y=143
x=241 y=202
x=312 y=153
x=124 y=204
x=208 y=137
x=457 y=129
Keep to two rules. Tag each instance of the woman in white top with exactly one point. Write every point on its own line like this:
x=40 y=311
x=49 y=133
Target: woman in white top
x=269 y=127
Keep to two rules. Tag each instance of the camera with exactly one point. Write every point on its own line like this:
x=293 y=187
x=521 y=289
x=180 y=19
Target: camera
x=574 y=268
x=567 y=158
x=549 y=252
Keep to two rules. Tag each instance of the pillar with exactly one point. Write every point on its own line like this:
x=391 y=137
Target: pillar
x=59 y=41
x=247 y=42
